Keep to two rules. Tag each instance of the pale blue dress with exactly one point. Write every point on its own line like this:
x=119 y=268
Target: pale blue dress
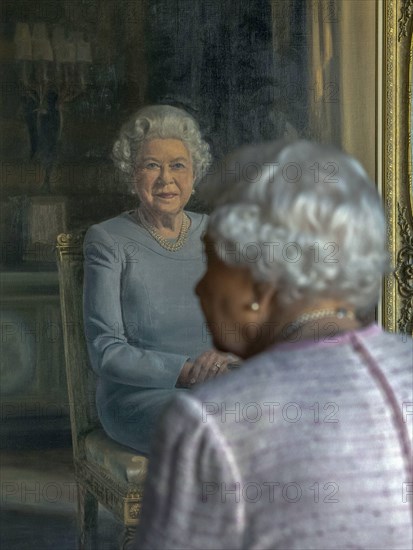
x=142 y=321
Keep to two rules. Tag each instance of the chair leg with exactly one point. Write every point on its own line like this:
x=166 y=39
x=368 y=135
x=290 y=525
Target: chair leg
x=87 y=519
x=128 y=538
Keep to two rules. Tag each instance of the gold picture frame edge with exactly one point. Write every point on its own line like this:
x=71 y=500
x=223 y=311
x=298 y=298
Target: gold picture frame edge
x=397 y=296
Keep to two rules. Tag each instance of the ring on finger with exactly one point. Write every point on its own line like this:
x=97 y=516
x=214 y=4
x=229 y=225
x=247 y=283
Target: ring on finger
x=217 y=366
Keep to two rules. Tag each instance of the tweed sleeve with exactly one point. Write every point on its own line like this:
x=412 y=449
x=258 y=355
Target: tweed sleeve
x=191 y=481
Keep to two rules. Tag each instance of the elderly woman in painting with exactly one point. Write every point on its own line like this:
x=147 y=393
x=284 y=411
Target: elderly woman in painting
x=145 y=331
x=309 y=444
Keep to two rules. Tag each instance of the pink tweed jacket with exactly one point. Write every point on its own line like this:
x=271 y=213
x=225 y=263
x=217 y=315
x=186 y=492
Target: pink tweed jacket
x=307 y=446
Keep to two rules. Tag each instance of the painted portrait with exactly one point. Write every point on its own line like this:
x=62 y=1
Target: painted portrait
x=74 y=72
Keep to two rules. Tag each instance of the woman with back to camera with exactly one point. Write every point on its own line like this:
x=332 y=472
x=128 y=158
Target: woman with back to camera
x=309 y=444
x=145 y=331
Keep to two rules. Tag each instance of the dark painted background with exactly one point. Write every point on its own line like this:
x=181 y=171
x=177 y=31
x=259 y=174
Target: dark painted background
x=238 y=67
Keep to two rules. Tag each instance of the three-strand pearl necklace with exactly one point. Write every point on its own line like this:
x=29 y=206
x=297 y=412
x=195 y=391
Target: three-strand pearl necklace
x=163 y=241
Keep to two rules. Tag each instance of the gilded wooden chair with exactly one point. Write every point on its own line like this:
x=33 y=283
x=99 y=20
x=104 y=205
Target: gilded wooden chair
x=105 y=471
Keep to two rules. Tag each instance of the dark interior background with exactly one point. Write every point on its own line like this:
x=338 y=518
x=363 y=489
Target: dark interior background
x=238 y=70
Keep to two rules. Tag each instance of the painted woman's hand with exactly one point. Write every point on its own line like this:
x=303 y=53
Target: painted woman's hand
x=208 y=365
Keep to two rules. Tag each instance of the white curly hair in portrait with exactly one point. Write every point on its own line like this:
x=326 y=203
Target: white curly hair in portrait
x=303 y=216
x=160 y=122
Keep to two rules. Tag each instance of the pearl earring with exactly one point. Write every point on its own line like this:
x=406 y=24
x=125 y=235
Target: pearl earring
x=193 y=192
x=255 y=306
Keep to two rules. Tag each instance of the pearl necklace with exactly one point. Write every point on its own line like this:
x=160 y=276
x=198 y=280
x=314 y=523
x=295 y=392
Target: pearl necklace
x=172 y=247
x=295 y=325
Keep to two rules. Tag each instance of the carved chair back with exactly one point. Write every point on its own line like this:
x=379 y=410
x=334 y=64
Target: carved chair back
x=81 y=380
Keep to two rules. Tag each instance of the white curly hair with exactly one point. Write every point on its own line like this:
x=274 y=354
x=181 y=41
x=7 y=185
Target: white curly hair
x=160 y=122
x=303 y=216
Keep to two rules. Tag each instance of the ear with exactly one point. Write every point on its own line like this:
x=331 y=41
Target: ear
x=261 y=299
x=266 y=296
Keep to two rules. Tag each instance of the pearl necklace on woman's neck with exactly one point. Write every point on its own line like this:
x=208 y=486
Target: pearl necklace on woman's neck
x=163 y=241
x=294 y=326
